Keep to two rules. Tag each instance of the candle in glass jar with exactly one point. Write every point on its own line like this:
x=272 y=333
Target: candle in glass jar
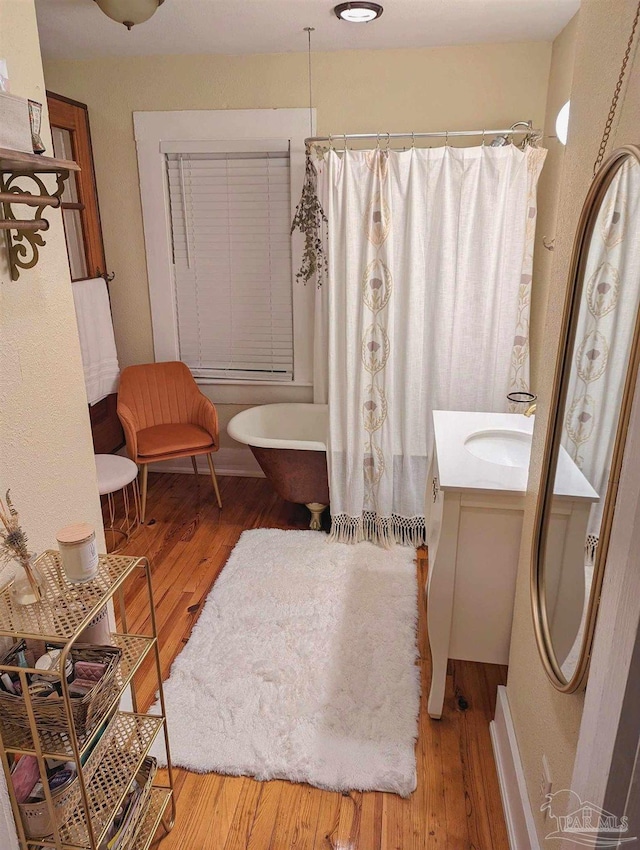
x=77 y=544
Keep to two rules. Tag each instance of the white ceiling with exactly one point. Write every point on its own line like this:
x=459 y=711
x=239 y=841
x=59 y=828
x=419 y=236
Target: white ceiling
x=77 y=29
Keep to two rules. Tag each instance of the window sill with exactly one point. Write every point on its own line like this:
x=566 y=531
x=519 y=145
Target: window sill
x=222 y=382
x=251 y=393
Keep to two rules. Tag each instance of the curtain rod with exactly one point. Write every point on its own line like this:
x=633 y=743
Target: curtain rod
x=509 y=131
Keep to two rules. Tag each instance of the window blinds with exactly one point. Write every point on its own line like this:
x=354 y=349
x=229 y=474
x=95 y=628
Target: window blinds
x=230 y=221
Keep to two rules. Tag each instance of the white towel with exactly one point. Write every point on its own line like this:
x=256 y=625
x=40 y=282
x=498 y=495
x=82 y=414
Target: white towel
x=97 y=343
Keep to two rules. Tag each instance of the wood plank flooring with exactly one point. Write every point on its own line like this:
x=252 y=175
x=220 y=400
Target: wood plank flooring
x=457 y=802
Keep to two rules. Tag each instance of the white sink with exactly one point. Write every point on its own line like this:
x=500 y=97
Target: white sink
x=490 y=452
x=502 y=446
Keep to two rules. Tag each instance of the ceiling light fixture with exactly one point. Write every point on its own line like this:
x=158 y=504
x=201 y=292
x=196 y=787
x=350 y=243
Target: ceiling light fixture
x=358 y=11
x=129 y=12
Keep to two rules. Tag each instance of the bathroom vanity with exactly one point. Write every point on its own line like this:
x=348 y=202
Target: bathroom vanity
x=474 y=511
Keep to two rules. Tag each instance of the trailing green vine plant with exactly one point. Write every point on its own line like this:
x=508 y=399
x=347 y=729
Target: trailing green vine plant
x=309 y=219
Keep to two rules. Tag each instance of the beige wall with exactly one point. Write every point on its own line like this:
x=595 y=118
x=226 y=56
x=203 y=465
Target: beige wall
x=354 y=91
x=546 y=721
x=560 y=78
x=45 y=439
x=46 y=454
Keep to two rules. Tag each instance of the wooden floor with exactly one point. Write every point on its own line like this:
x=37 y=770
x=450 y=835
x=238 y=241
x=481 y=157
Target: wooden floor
x=457 y=801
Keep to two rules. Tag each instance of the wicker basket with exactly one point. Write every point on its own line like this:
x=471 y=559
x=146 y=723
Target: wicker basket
x=144 y=777
x=88 y=711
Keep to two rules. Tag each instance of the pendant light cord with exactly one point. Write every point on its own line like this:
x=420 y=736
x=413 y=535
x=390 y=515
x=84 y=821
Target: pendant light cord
x=308 y=31
x=616 y=94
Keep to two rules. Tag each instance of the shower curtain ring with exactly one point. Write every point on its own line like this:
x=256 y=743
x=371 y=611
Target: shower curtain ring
x=446 y=138
x=377 y=141
x=344 y=135
x=413 y=139
x=331 y=147
x=483 y=135
x=388 y=141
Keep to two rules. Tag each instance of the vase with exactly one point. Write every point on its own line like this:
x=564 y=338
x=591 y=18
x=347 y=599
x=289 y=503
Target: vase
x=27 y=586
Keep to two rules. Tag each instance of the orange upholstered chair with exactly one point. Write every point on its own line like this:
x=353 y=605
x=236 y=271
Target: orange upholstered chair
x=165 y=416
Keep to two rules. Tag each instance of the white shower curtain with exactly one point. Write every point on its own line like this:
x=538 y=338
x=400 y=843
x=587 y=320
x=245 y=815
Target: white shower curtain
x=426 y=306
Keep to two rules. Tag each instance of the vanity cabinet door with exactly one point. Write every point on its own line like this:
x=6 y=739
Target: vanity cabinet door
x=433 y=510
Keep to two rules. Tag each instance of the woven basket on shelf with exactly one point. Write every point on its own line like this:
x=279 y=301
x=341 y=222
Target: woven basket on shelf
x=88 y=711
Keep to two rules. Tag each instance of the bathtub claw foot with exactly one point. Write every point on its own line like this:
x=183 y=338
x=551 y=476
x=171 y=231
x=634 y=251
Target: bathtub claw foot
x=316 y=515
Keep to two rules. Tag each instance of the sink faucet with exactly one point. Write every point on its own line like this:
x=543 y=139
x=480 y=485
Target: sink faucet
x=530 y=410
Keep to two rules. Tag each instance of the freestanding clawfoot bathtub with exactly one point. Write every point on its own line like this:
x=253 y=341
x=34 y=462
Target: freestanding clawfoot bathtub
x=289 y=443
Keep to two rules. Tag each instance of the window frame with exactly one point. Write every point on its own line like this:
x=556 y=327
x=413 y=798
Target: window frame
x=155 y=133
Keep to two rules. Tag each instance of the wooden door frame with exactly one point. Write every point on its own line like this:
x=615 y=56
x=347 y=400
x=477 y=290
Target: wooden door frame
x=73 y=116
x=86 y=180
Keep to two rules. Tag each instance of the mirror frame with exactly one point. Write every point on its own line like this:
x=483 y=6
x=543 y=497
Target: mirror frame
x=584 y=232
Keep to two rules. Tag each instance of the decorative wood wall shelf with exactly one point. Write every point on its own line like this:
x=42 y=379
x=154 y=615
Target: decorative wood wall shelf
x=23 y=235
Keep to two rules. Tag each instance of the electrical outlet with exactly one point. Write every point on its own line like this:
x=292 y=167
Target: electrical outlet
x=545 y=783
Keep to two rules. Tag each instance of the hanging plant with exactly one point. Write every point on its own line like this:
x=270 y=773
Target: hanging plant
x=309 y=219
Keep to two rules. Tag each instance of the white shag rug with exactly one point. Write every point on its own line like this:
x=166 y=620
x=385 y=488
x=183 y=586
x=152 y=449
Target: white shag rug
x=302 y=666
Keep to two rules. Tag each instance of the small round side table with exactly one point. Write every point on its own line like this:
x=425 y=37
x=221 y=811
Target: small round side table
x=119 y=473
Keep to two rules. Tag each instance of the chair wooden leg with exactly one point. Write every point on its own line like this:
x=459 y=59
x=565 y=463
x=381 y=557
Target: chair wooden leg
x=194 y=463
x=214 y=479
x=145 y=472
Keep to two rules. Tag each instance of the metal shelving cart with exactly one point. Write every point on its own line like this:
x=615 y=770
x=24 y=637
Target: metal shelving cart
x=113 y=751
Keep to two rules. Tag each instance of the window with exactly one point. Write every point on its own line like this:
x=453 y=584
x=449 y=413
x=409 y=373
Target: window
x=218 y=191
x=230 y=224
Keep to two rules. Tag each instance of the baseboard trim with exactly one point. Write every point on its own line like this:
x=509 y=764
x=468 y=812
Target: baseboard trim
x=518 y=814
x=228 y=461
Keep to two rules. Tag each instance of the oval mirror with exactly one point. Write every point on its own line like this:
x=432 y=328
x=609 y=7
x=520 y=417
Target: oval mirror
x=591 y=404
